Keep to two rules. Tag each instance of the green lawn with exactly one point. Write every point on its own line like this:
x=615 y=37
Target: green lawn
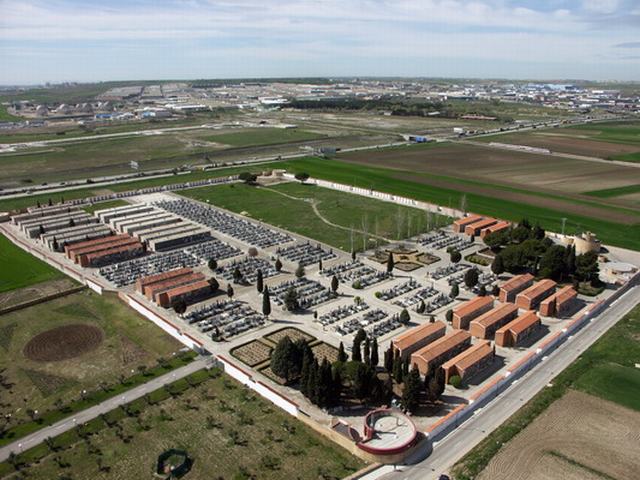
x=264 y=136
x=20 y=269
x=614 y=192
x=628 y=157
x=129 y=341
x=228 y=431
x=606 y=369
x=297 y=214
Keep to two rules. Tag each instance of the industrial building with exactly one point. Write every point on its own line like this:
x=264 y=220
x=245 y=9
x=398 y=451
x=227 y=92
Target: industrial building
x=514 y=332
x=530 y=298
x=486 y=324
x=463 y=314
x=436 y=353
x=417 y=337
x=558 y=304
x=470 y=361
x=514 y=286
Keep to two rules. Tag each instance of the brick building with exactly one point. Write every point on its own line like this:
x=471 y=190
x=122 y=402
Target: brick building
x=519 y=329
x=486 y=324
x=513 y=286
x=441 y=350
x=530 y=298
x=417 y=337
x=470 y=361
x=559 y=303
x=463 y=314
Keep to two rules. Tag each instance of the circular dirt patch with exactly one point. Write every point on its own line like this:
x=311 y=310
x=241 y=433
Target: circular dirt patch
x=62 y=343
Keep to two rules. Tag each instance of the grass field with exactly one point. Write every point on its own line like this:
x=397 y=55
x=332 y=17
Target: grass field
x=615 y=354
x=21 y=269
x=5 y=116
x=103 y=205
x=264 y=136
x=290 y=206
x=228 y=432
x=128 y=341
x=614 y=192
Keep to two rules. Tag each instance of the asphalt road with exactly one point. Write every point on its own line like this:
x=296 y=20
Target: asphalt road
x=454 y=446
x=84 y=416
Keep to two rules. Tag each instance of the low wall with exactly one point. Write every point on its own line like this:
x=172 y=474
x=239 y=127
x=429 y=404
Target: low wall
x=42 y=299
x=259 y=387
x=163 y=323
x=385 y=197
x=499 y=384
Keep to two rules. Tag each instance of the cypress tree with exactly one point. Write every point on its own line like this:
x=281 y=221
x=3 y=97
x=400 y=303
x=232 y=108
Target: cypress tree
x=367 y=351
x=497 y=266
x=397 y=369
x=411 y=391
x=374 y=354
x=259 y=281
x=278 y=265
x=229 y=291
x=342 y=355
x=335 y=284
x=356 y=355
x=388 y=359
x=337 y=385
x=390 y=263
x=353 y=255
x=320 y=265
x=314 y=379
x=325 y=385
x=455 y=291
x=266 y=303
x=405 y=367
x=305 y=371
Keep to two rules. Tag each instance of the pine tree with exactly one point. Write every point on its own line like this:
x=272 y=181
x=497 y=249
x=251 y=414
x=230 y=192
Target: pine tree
x=411 y=390
x=404 y=317
x=497 y=266
x=374 y=354
x=259 y=281
x=342 y=355
x=266 y=302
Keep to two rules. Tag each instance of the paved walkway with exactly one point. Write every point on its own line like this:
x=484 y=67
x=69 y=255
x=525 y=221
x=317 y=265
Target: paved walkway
x=84 y=416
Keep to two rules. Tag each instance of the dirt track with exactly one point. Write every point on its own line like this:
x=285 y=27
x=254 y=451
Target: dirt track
x=578 y=437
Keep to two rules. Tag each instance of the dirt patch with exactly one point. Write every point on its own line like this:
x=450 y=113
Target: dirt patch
x=578 y=437
x=63 y=343
x=573 y=144
x=132 y=353
x=506 y=167
x=545 y=202
x=32 y=292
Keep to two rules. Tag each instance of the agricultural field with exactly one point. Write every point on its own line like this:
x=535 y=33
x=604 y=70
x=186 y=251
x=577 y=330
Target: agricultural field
x=579 y=437
x=319 y=213
x=51 y=352
x=623 y=232
x=613 y=141
x=5 y=116
x=224 y=427
x=21 y=269
x=601 y=388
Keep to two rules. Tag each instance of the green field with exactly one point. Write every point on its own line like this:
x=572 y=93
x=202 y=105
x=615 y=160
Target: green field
x=607 y=370
x=228 y=431
x=129 y=341
x=264 y=136
x=627 y=133
x=290 y=206
x=614 y=192
x=21 y=269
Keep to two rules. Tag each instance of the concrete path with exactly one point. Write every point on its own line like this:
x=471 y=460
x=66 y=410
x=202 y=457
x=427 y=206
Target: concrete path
x=84 y=416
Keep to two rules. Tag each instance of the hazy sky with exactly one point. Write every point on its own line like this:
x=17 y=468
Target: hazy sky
x=60 y=40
